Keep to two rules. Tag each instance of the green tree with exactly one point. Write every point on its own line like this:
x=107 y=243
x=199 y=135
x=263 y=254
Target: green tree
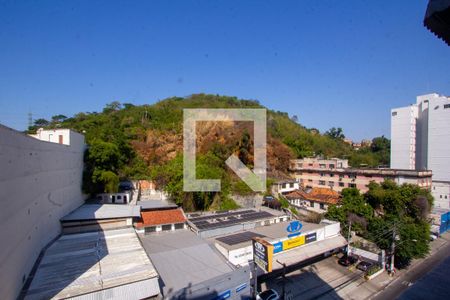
x=335 y=133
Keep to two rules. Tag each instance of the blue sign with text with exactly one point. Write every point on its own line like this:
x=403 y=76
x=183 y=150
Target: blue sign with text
x=294 y=228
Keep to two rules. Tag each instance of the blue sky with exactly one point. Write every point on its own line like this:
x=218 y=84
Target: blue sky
x=331 y=63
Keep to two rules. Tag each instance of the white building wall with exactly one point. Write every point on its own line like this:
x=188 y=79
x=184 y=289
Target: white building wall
x=441 y=194
x=58 y=136
x=403 y=137
x=438 y=159
x=39 y=183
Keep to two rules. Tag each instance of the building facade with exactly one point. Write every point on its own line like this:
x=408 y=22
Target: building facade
x=324 y=173
x=40 y=182
x=420 y=140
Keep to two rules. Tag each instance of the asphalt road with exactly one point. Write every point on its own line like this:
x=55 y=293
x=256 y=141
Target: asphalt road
x=396 y=288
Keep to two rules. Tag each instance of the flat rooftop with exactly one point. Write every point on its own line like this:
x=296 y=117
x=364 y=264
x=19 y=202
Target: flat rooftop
x=102 y=211
x=270 y=233
x=182 y=259
x=208 y=221
x=86 y=263
x=155 y=204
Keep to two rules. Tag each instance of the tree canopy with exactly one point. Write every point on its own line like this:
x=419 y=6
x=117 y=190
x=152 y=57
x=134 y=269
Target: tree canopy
x=385 y=210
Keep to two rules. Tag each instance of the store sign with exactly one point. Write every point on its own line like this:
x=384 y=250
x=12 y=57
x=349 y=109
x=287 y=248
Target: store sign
x=312 y=237
x=223 y=295
x=295 y=242
x=277 y=247
x=294 y=228
x=262 y=254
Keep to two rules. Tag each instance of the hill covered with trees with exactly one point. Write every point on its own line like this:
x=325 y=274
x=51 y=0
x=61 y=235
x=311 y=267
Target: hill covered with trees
x=135 y=142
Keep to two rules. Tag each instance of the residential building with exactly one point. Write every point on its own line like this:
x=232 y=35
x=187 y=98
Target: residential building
x=284 y=186
x=58 y=136
x=315 y=199
x=316 y=172
x=420 y=140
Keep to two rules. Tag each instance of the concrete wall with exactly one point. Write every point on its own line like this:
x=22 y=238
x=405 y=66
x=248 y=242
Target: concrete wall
x=441 y=194
x=403 y=137
x=438 y=158
x=39 y=183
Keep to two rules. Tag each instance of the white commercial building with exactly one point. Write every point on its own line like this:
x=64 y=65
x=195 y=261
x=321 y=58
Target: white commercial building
x=420 y=140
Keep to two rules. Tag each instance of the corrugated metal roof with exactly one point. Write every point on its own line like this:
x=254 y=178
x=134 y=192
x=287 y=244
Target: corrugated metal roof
x=86 y=263
x=102 y=211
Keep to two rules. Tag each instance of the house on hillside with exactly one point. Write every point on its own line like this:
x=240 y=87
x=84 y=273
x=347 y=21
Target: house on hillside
x=315 y=199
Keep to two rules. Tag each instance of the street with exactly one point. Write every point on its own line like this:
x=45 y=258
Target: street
x=329 y=280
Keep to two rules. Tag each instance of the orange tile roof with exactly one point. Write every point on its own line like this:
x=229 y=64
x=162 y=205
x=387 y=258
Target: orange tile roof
x=321 y=195
x=160 y=217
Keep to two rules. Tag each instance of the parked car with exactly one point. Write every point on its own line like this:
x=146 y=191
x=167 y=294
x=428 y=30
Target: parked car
x=347 y=260
x=268 y=295
x=125 y=186
x=364 y=266
x=433 y=236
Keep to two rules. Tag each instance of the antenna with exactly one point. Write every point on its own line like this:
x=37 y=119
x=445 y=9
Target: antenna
x=30 y=119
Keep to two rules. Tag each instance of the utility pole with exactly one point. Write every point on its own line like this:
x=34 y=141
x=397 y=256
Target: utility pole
x=349 y=237
x=393 y=250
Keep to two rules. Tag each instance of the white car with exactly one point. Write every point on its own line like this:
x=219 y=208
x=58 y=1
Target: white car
x=268 y=295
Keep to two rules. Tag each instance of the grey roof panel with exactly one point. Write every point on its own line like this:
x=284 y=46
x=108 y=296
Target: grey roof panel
x=103 y=211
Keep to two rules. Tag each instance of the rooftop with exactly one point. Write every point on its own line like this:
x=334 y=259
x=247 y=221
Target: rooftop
x=270 y=233
x=102 y=211
x=161 y=217
x=322 y=195
x=210 y=221
x=182 y=259
x=155 y=204
x=85 y=263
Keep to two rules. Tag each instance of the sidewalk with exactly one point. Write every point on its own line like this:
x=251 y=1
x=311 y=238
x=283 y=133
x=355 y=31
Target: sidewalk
x=385 y=281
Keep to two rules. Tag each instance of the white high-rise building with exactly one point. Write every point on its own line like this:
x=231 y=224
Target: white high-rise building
x=420 y=140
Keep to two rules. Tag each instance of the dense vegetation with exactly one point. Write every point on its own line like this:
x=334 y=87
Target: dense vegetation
x=384 y=210
x=128 y=141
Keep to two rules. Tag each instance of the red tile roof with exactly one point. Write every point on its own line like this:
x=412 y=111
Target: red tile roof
x=321 y=195
x=160 y=217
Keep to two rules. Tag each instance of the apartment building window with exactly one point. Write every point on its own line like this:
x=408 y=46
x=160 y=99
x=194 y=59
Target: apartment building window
x=330 y=183
x=394 y=113
x=299 y=165
x=322 y=174
x=331 y=166
x=446 y=106
x=341 y=184
x=321 y=182
x=310 y=165
x=341 y=176
x=331 y=175
x=309 y=180
x=322 y=166
x=352 y=185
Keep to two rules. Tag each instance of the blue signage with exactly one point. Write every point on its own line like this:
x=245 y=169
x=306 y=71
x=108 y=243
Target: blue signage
x=223 y=295
x=277 y=247
x=294 y=228
x=241 y=287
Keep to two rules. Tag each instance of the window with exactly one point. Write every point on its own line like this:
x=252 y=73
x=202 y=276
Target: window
x=179 y=226
x=341 y=176
x=311 y=203
x=321 y=182
x=322 y=166
x=309 y=180
x=322 y=174
x=331 y=175
x=331 y=166
x=310 y=165
x=394 y=113
x=446 y=106
x=322 y=206
x=167 y=227
x=283 y=185
x=330 y=183
x=341 y=184
x=440 y=196
x=150 y=229
x=352 y=185
x=291 y=185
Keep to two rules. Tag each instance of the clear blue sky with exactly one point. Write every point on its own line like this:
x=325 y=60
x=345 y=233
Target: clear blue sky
x=331 y=63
